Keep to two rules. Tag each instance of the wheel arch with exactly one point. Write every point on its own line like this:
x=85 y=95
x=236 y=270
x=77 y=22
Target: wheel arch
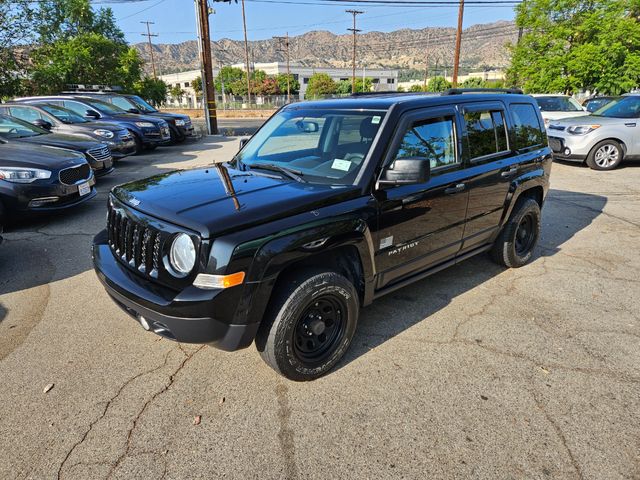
x=615 y=139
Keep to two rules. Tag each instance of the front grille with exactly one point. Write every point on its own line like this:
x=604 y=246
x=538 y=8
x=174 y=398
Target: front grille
x=102 y=154
x=556 y=144
x=134 y=243
x=73 y=175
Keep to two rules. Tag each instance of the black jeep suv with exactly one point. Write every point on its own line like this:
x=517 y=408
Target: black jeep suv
x=330 y=205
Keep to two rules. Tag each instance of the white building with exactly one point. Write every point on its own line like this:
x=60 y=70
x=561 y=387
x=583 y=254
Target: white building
x=383 y=80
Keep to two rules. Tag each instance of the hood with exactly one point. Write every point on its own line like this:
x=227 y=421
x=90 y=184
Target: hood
x=593 y=119
x=134 y=117
x=169 y=117
x=112 y=127
x=62 y=141
x=218 y=199
x=562 y=115
x=19 y=154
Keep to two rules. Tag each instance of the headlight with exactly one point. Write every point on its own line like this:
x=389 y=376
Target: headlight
x=182 y=255
x=582 y=129
x=23 y=175
x=103 y=133
x=145 y=124
x=180 y=122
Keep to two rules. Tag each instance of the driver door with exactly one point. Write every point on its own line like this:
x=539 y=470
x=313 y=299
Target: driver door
x=422 y=225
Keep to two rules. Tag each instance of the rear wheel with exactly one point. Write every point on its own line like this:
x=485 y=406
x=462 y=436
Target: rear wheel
x=309 y=324
x=606 y=155
x=515 y=245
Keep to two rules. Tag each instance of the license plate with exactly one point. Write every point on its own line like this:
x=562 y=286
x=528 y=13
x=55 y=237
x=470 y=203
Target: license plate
x=84 y=189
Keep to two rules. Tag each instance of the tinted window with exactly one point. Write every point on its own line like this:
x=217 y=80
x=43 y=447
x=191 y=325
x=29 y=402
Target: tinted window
x=486 y=133
x=558 y=104
x=25 y=113
x=76 y=107
x=528 y=132
x=432 y=139
x=14 y=128
x=624 y=107
x=104 y=107
x=62 y=114
x=122 y=103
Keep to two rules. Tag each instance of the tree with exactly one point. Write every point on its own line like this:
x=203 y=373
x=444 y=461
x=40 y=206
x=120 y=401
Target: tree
x=16 y=30
x=269 y=86
x=416 y=87
x=438 y=84
x=294 y=84
x=176 y=92
x=400 y=89
x=196 y=84
x=577 y=45
x=473 y=82
x=152 y=90
x=229 y=75
x=320 y=84
x=259 y=76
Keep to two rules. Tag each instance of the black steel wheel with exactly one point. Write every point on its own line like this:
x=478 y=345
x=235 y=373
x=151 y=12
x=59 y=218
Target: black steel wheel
x=309 y=324
x=516 y=242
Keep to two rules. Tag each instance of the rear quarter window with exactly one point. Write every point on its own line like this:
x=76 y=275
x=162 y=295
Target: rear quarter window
x=528 y=133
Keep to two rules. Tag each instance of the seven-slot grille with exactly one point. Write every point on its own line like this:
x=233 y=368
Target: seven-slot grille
x=102 y=154
x=134 y=243
x=73 y=175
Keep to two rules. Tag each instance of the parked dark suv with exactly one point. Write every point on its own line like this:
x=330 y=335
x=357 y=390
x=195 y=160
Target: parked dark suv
x=60 y=120
x=148 y=132
x=179 y=124
x=330 y=205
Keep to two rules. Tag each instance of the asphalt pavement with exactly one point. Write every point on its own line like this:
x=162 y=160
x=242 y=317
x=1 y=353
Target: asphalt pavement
x=475 y=372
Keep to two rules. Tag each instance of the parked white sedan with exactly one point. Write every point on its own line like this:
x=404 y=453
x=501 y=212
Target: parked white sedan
x=557 y=107
x=602 y=139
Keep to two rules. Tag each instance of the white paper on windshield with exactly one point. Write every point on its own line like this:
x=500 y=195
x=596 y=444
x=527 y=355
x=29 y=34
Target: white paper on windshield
x=340 y=164
x=375 y=120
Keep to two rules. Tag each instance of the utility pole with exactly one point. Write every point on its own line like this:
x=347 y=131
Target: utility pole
x=246 y=54
x=286 y=46
x=149 y=35
x=456 y=62
x=208 y=89
x=426 y=63
x=355 y=31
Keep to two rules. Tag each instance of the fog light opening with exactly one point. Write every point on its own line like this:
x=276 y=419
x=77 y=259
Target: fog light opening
x=567 y=151
x=38 y=202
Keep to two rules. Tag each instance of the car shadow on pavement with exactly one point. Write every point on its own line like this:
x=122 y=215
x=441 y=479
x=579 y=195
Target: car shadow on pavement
x=564 y=215
x=3 y=312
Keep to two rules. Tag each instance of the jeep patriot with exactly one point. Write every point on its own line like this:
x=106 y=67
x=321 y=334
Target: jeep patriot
x=330 y=205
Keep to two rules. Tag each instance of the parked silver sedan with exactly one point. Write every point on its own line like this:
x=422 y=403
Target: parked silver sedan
x=602 y=139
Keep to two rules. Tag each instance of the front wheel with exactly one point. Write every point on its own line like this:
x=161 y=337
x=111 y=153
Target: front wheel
x=517 y=240
x=309 y=324
x=606 y=155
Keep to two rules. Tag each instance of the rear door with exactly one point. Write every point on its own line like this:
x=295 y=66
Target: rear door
x=490 y=166
x=422 y=225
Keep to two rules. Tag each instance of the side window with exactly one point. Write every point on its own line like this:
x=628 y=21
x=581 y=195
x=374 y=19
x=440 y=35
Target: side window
x=76 y=107
x=121 y=102
x=433 y=139
x=528 y=131
x=24 y=113
x=486 y=133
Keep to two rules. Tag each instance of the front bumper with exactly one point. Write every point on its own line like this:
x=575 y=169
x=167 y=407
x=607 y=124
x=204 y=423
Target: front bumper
x=122 y=149
x=18 y=197
x=188 y=316
x=570 y=147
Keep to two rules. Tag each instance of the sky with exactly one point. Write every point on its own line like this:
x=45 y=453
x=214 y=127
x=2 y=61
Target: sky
x=175 y=19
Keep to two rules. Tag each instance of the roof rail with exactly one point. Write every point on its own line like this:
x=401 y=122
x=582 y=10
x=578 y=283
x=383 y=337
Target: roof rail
x=76 y=87
x=458 y=91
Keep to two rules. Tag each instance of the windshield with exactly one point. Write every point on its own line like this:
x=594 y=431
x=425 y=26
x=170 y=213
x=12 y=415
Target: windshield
x=596 y=103
x=104 y=107
x=64 y=115
x=321 y=146
x=141 y=105
x=13 y=128
x=558 y=104
x=623 y=107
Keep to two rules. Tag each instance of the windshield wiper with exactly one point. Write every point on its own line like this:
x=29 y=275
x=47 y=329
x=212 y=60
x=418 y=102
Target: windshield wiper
x=291 y=173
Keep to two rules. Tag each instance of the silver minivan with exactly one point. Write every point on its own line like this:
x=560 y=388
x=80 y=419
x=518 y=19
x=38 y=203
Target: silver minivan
x=602 y=139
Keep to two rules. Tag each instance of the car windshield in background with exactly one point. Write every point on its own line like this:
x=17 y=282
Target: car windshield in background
x=143 y=106
x=596 y=103
x=104 y=107
x=316 y=146
x=64 y=115
x=558 y=104
x=623 y=107
x=13 y=128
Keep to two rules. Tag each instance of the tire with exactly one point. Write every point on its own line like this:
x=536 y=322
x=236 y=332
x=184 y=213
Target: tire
x=3 y=217
x=606 y=155
x=515 y=245
x=151 y=148
x=139 y=145
x=309 y=324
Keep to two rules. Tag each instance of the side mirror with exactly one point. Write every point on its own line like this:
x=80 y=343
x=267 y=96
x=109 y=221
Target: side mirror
x=92 y=114
x=43 y=124
x=244 y=141
x=406 y=171
x=133 y=110
x=307 y=127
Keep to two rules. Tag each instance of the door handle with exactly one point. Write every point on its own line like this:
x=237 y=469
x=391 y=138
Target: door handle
x=455 y=189
x=631 y=124
x=509 y=173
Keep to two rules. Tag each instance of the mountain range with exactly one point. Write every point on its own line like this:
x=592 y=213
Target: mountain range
x=484 y=46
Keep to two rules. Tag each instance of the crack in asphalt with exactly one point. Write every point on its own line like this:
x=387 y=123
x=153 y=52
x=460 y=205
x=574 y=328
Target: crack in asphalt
x=106 y=409
x=166 y=387
x=285 y=434
x=560 y=435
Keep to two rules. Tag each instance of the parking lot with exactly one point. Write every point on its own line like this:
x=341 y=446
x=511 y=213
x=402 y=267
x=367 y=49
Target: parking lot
x=476 y=372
